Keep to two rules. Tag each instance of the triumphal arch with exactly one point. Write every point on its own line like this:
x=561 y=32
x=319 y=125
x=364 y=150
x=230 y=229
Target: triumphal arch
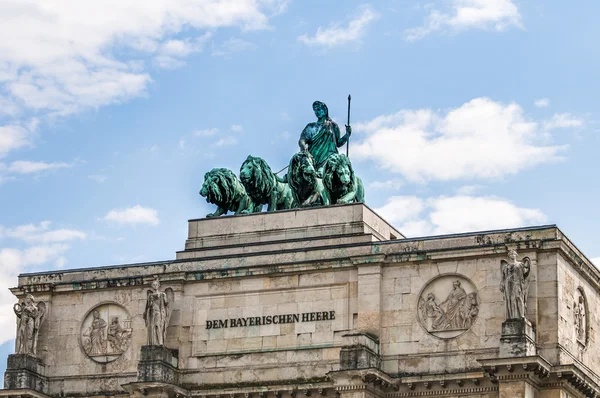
x=317 y=296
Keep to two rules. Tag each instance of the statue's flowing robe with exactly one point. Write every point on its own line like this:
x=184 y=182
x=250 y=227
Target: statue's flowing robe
x=98 y=346
x=323 y=140
x=453 y=315
x=513 y=281
x=156 y=317
x=25 y=335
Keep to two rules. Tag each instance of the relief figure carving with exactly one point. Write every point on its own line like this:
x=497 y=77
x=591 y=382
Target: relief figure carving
x=102 y=341
x=30 y=316
x=515 y=285
x=580 y=318
x=453 y=315
x=95 y=344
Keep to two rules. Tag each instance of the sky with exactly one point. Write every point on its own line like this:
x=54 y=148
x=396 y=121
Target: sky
x=467 y=115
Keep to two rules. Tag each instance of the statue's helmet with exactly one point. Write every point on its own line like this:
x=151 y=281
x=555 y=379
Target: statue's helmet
x=319 y=104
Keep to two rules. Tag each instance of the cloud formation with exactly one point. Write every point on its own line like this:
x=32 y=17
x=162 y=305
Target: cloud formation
x=469 y=14
x=133 y=216
x=481 y=139
x=453 y=214
x=563 y=120
x=68 y=56
x=43 y=246
x=336 y=34
x=542 y=102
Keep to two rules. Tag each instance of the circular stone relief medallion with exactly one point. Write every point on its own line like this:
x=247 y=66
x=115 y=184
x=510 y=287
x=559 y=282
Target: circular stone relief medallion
x=448 y=306
x=106 y=332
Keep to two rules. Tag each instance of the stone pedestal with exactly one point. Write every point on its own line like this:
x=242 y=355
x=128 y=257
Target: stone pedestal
x=24 y=372
x=158 y=364
x=517 y=339
x=360 y=352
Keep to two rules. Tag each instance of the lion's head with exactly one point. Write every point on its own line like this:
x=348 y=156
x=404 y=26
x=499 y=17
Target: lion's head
x=257 y=177
x=302 y=175
x=221 y=187
x=338 y=175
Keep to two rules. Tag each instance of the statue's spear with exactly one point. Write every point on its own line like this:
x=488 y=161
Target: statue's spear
x=348 y=141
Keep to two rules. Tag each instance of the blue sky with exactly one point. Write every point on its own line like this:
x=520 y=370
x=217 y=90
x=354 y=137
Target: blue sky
x=467 y=115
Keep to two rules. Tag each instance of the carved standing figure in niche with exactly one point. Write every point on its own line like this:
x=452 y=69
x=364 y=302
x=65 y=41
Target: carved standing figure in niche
x=515 y=285
x=322 y=138
x=158 y=312
x=454 y=301
x=30 y=316
x=580 y=321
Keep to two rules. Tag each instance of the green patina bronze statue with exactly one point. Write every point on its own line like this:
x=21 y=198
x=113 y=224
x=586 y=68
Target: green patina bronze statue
x=317 y=175
x=222 y=188
x=340 y=181
x=322 y=138
x=263 y=187
x=307 y=187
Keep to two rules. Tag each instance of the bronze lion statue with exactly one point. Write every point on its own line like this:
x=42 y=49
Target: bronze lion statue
x=263 y=187
x=341 y=182
x=307 y=188
x=222 y=188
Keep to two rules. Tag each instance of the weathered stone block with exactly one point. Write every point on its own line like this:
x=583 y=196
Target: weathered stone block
x=158 y=364
x=24 y=371
x=517 y=339
x=362 y=353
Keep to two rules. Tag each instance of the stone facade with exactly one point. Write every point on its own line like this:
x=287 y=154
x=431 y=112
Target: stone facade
x=325 y=301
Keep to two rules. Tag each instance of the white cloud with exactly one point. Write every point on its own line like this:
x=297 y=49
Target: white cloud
x=232 y=46
x=206 y=132
x=542 y=102
x=133 y=215
x=226 y=141
x=388 y=185
x=41 y=233
x=469 y=189
x=45 y=246
x=68 y=56
x=97 y=177
x=562 y=120
x=479 y=140
x=13 y=137
x=29 y=167
x=237 y=128
x=454 y=214
x=13 y=262
x=336 y=34
x=466 y=14
x=596 y=261
x=171 y=52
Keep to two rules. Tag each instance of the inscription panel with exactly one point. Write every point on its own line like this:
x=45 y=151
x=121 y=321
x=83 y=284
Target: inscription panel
x=276 y=319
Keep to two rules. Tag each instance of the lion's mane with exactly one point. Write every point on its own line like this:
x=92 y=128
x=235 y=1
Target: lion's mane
x=331 y=178
x=261 y=182
x=222 y=187
x=300 y=185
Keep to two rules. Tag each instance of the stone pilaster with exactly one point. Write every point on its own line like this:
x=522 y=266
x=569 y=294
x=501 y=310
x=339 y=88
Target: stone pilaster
x=517 y=339
x=24 y=372
x=369 y=293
